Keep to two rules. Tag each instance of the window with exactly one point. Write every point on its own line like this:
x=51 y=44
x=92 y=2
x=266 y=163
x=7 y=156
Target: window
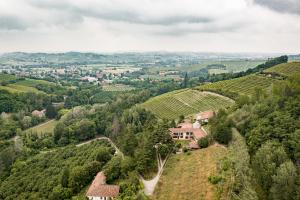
x=181 y=136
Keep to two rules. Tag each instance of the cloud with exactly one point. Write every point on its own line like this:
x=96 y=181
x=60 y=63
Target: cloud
x=285 y=6
x=11 y=23
x=148 y=24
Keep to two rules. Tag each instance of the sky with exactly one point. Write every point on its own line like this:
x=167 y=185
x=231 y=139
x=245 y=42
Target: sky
x=269 y=26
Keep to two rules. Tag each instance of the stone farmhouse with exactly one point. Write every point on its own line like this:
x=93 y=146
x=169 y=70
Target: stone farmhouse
x=99 y=190
x=192 y=131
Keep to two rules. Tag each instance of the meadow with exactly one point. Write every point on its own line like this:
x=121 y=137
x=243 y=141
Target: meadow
x=192 y=181
x=185 y=102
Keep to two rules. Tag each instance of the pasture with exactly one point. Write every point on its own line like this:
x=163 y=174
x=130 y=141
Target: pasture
x=186 y=176
x=185 y=102
x=285 y=69
x=243 y=86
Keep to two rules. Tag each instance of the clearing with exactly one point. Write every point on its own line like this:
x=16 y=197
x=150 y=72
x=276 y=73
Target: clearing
x=47 y=127
x=185 y=102
x=185 y=176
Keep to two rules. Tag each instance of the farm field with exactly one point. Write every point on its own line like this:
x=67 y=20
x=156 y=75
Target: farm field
x=47 y=127
x=285 y=69
x=185 y=102
x=33 y=83
x=186 y=176
x=244 y=85
x=231 y=65
x=14 y=88
x=7 y=77
x=117 y=88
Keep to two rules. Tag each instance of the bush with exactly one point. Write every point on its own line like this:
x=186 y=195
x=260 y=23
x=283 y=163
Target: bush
x=203 y=142
x=214 y=179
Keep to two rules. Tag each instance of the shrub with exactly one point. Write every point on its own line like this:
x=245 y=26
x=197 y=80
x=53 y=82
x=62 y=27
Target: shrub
x=214 y=179
x=203 y=142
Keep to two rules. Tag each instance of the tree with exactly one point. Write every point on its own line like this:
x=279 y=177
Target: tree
x=185 y=81
x=203 y=142
x=51 y=112
x=65 y=177
x=222 y=133
x=103 y=155
x=284 y=182
x=266 y=161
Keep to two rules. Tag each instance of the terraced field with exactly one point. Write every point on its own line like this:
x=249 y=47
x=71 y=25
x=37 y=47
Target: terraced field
x=185 y=102
x=286 y=69
x=244 y=85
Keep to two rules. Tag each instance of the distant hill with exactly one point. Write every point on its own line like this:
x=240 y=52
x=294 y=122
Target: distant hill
x=285 y=69
x=185 y=102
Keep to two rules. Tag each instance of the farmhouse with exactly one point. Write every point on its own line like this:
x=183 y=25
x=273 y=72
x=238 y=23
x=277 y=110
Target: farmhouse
x=99 y=190
x=205 y=116
x=188 y=131
x=39 y=114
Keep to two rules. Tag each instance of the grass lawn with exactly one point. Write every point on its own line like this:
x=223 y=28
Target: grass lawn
x=185 y=176
x=117 y=88
x=47 y=127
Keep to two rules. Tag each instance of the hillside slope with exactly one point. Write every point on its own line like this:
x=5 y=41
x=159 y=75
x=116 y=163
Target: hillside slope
x=285 y=69
x=186 y=176
x=185 y=102
x=243 y=86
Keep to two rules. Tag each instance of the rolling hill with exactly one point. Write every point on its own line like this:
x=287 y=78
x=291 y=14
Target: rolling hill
x=243 y=86
x=285 y=69
x=246 y=85
x=185 y=102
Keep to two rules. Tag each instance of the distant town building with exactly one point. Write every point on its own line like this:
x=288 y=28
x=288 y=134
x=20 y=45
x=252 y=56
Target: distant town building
x=99 y=190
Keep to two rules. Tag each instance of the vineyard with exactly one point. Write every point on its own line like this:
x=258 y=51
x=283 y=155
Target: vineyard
x=285 y=69
x=185 y=102
x=244 y=85
x=117 y=88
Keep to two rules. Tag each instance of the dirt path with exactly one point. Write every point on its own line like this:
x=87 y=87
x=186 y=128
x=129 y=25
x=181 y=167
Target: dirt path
x=103 y=138
x=149 y=185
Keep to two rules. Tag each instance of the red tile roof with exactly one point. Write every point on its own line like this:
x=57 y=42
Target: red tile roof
x=206 y=115
x=100 y=189
x=185 y=125
x=193 y=145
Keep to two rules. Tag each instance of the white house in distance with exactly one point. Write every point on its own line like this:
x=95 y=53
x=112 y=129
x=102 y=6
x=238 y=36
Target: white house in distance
x=99 y=190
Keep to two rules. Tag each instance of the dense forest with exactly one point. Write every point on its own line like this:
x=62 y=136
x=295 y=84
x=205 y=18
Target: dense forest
x=270 y=126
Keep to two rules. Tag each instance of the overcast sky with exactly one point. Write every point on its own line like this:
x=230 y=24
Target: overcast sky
x=150 y=25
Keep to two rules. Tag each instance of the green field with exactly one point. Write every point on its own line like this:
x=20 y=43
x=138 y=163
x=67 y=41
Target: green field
x=231 y=65
x=285 y=69
x=185 y=102
x=7 y=77
x=185 y=176
x=27 y=85
x=15 y=88
x=117 y=88
x=47 y=127
x=244 y=85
